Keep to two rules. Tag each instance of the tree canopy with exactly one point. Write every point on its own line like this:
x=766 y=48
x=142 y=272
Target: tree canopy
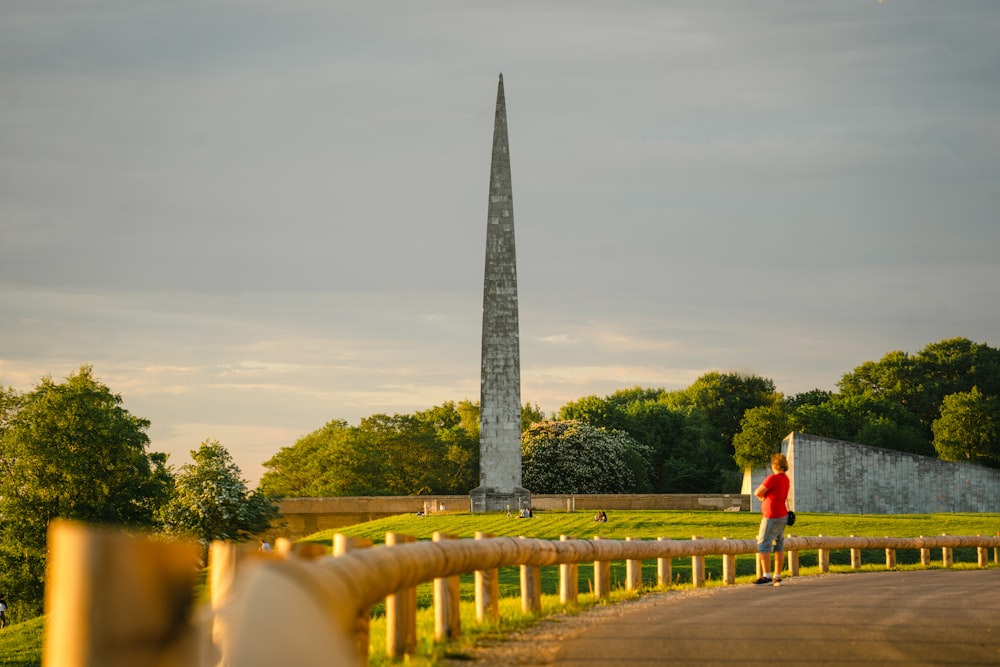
x=760 y=429
x=431 y=452
x=211 y=501
x=575 y=457
x=969 y=428
x=686 y=452
x=69 y=450
x=723 y=398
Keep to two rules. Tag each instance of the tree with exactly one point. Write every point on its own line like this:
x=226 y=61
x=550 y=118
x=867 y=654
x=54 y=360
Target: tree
x=761 y=432
x=10 y=401
x=919 y=383
x=429 y=452
x=813 y=397
x=530 y=414
x=300 y=470
x=824 y=420
x=880 y=422
x=969 y=428
x=723 y=398
x=643 y=415
x=69 y=450
x=575 y=457
x=664 y=432
x=884 y=432
x=957 y=365
x=211 y=501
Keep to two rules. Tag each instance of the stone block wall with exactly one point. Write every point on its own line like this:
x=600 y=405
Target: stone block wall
x=305 y=516
x=841 y=477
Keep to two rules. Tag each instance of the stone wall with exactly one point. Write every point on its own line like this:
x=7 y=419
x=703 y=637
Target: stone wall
x=305 y=516
x=841 y=477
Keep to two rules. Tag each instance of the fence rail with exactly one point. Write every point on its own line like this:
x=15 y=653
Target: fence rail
x=116 y=600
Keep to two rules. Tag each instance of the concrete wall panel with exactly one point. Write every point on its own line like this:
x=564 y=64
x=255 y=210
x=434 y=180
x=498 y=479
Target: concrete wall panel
x=843 y=477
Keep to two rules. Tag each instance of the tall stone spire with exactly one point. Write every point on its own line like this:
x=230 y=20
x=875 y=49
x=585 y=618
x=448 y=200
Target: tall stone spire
x=500 y=388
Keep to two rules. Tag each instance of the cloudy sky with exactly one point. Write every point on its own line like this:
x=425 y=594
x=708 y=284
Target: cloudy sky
x=252 y=217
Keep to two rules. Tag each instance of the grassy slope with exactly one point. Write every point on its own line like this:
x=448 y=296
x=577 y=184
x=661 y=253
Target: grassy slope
x=20 y=644
x=676 y=525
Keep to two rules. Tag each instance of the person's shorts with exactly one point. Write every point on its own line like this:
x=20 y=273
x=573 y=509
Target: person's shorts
x=771 y=536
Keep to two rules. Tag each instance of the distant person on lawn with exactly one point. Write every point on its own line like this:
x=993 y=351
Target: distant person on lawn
x=773 y=495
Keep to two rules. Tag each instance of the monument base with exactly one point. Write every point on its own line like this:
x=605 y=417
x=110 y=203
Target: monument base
x=484 y=499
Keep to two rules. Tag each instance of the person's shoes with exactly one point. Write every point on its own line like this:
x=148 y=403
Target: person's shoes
x=763 y=581
x=776 y=581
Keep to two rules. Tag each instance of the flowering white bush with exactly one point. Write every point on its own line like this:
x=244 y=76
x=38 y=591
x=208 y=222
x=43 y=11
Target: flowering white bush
x=575 y=457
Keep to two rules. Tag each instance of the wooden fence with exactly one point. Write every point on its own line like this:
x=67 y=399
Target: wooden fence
x=117 y=600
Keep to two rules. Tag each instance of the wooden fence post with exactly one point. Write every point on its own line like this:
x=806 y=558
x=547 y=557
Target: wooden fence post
x=855 y=558
x=602 y=577
x=664 y=569
x=447 y=615
x=890 y=559
x=697 y=568
x=283 y=547
x=728 y=568
x=222 y=559
x=633 y=572
x=531 y=588
x=824 y=560
x=310 y=550
x=925 y=555
x=487 y=590
x=118 y=601
x=400 y=612
x=569 y=579
x=947 y=555
x=793 y=561
x=362 y=632
x=982 y=555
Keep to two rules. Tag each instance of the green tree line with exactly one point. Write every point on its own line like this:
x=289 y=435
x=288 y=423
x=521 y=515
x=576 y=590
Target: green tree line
x=943 y=401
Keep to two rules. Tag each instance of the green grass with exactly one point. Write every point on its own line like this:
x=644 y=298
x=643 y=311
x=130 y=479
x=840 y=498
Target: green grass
x=676 y=525
x=21 y=643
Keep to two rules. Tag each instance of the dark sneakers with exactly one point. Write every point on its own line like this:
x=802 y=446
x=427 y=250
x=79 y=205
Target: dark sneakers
x=764 y=581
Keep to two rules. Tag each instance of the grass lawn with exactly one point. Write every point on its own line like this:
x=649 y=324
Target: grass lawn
x=20 y=643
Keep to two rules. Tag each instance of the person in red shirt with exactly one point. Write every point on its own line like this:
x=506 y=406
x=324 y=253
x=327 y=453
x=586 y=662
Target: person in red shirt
x=773 y=495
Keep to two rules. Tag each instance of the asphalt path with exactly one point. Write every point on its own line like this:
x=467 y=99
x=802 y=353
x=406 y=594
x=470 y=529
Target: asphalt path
x=919 y=617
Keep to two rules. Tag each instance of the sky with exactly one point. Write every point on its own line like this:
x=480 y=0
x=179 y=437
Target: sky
x=254 y=217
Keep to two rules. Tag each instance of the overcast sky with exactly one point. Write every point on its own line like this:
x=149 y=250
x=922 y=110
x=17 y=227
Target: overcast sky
x=254 y=217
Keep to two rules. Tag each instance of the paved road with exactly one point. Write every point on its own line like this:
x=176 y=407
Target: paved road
x=924 y=617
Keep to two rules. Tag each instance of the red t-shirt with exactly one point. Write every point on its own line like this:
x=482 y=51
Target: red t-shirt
x=773 y=504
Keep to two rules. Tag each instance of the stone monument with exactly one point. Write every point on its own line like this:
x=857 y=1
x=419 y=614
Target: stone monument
x=500 y=385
